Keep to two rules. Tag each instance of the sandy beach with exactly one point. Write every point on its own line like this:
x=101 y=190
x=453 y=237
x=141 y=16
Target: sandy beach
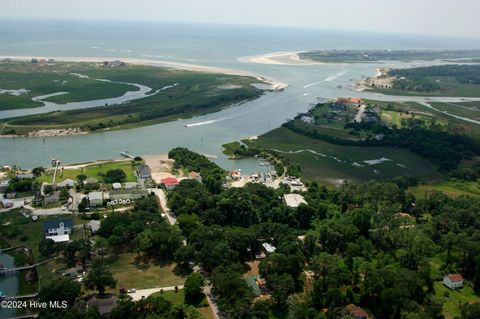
x=278 y=58
x=274 y=85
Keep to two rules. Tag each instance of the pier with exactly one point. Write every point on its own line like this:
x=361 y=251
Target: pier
x=127 y=154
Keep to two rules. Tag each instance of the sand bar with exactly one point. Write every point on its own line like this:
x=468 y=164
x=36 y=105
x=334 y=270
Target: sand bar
x=278 y=58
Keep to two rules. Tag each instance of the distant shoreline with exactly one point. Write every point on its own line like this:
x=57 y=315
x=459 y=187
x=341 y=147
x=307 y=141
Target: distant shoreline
x=274 y=84
x=279 y=58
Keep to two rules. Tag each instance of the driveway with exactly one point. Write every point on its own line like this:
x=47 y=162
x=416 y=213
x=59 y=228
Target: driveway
x=160 y=193
x=147 y=292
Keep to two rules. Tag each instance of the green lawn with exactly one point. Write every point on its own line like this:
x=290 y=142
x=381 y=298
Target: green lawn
x=129 y=274
x=452 y=300
x=92 y=170
x=176 y=298
x=449 y=188
x=337 y=163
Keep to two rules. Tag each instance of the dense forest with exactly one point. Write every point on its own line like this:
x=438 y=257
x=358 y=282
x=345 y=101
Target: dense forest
x=372 y=244
x=356 y=248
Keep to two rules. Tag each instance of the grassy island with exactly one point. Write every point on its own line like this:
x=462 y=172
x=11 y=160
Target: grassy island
x=174 y=94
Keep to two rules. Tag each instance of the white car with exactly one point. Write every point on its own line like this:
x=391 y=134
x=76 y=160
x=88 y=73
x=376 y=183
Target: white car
x=131 y=290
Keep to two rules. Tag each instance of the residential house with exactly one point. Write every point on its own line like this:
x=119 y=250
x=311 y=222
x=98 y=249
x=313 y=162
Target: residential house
x=268 y=248
x=5 y=203
x=94 y=226
x=52 y=198
x=356 y=312
x=196 y=176
x=91 y=180
x=294 y=200
x=169 y=183
x=104 y=304
x=24 y=175
x=58 y=230
x=307 y=118
x=144 y=172
x=338 y=107
x=116 y=186
x=96 y=198
x=4 y=185
x=67 y=183
x=453 y=281
x=130 y=185
x=11 y=195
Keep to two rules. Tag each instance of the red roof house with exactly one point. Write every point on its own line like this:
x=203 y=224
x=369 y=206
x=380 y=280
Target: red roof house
x=453 y=281
x=356 y=312
x=169 y=182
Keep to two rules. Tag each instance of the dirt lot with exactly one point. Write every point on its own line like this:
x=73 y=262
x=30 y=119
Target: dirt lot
x=160 y=165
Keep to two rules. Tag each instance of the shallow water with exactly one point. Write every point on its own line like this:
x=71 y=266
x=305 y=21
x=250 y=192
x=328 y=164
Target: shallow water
x=207 y=45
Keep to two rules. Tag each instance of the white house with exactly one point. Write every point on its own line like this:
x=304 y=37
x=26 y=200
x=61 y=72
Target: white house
x=453 y=281
x=57 y=227
x=117 y=186
x=268 y=248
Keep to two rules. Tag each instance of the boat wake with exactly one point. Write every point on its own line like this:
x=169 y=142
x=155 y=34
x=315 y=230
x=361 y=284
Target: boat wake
x=328 y=79
x=207 y=122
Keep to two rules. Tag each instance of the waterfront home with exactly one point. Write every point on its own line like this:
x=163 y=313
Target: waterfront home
x=453 y=281
x=196 y=176
x=144 y=172
x=96 y=198
x=307 y=118
x=169 y=183
x=67 y=183
x=58 y=227
x=294 y=200
x=24 y=175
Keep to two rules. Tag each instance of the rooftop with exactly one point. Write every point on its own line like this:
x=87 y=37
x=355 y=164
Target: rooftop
x=95 y=196
x=269 y=248
x=455 y=277
x=169 y=181
x=59 y=238
x=49 y=224
x=294 y=200
x=356 y=311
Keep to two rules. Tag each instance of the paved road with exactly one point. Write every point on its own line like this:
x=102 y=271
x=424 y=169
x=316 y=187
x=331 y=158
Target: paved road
x=147 y=292
x=160 y=193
